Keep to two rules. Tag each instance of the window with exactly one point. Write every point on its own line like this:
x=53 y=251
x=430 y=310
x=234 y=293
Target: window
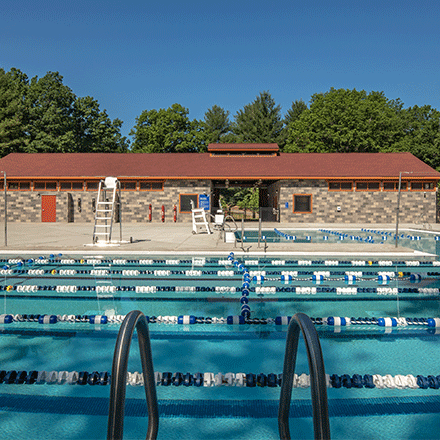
x=45 y=186
x=302 y=203
x=71 y=186
x=185 y=202
x=18 y=185
x=422 y=186
x=394 y=186
x=92 y=185
x=340 y=186
x=368 y=186
x=146 y=185
x=128 y=185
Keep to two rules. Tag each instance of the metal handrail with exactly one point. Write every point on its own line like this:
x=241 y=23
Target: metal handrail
x=133 y=320
x=321 y=425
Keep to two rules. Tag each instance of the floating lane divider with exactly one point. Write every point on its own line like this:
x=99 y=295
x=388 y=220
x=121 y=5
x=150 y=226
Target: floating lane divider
x=257 y=277
x=21 y=263
x=240 y=380
x=245 y=311
x=331 y=321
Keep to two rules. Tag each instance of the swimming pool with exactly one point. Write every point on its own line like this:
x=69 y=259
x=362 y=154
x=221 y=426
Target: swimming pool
x=65 y=312
x=423 y=241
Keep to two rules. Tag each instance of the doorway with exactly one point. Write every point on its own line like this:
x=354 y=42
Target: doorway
x=48 y=208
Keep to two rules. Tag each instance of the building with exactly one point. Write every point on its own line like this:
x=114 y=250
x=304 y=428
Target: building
x=293 y=187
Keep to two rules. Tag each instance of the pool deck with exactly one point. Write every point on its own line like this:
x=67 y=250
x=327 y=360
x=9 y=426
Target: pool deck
x=140 y=238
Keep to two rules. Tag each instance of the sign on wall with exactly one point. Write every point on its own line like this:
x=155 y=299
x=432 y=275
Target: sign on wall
x=204 y=202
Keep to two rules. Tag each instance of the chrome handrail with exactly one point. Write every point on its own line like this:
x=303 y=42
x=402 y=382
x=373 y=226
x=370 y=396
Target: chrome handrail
x=321 y=425
x=134 y=320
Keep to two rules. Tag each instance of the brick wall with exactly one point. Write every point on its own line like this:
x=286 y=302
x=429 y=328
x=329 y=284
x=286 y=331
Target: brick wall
x=356 y=206
x=77 y=206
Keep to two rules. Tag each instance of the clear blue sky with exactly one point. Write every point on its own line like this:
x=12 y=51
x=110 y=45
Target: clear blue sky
x=133 y=55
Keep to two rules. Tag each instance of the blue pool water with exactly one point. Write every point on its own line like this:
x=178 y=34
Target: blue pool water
x=424 y=241
x=73 y=289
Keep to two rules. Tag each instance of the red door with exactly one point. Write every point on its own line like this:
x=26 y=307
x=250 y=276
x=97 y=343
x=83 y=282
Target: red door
x=48 y=208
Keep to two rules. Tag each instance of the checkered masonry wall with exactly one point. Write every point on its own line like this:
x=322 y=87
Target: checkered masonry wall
x=77 y=206
x=355 y=206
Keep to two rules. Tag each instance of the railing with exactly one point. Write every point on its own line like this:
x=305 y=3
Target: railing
x=133 y=320
x=301 y=322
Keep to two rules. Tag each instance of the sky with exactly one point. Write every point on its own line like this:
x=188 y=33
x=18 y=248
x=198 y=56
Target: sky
x=135 y=55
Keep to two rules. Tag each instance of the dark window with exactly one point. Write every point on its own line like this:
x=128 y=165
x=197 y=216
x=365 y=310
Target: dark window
x=71 y=186
x=394 y=186
x=39 y=185
x=422 y=186
x=92 y=186
x=340 y=186
x=368 y=186
x=13 y=185
x=185 y=202
x=302 y=203
x=151 y=186
x=128 y=186
x=45 y=186
x=51 y=186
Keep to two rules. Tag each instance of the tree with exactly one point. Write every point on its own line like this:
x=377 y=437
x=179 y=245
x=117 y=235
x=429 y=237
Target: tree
x=295 y=111
x=248 y=198
x=216 y=124
x=44 y=115
x=346 y=121
x=13 y=86
x=167 y=131
x=260 y=121
x=94 y=131
x=49 y=104
x=422 y=134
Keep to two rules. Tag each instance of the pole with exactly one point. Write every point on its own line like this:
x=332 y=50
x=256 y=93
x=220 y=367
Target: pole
x=398 y=208
x=6 y=208
x=259 y=230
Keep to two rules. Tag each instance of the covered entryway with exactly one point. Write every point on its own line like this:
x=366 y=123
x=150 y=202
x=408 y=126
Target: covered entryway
x=267 y=207
x=48 y=208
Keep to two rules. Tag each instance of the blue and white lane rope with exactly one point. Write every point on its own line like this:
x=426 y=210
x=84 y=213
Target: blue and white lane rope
x=249 y=380
x=332 y=321
x=200 y=262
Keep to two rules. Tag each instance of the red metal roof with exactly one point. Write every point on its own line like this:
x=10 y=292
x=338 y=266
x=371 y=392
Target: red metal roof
x=205 y=166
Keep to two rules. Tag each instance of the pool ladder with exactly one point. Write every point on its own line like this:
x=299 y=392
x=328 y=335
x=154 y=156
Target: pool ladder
x=302 y=323
x=133 y=320
x=299 y=323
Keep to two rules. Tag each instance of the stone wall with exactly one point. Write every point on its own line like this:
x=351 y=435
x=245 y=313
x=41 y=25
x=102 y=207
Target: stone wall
x=77 y=206
x=355 y=206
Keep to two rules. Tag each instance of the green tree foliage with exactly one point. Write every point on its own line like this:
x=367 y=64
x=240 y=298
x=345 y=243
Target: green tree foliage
x=346 y=121
x=216 y=124
x=94 y=131
x=13 y=86
x=49 y=106
x=248 y=198
x=44 y=115
x=422 y=134
x=295 y=111
x=167 y=131
x=244 y=198
x=260 y=121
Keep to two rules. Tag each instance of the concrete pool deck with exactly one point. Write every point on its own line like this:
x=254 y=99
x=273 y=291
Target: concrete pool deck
x=176 y=238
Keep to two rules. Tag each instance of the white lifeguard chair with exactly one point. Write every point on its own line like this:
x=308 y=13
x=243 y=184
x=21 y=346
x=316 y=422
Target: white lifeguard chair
x=105 y=210
x=199 y=220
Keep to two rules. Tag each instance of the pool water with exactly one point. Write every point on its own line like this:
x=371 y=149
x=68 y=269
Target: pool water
x=209 y=289
x=424 y=241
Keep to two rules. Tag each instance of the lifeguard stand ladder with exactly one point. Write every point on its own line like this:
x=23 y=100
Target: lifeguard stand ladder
x=105 y=209
x=200 y=223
